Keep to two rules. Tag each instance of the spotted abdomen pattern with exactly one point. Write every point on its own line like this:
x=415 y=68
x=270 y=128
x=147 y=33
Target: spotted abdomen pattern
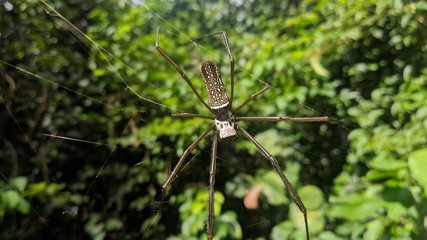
x=214 y=86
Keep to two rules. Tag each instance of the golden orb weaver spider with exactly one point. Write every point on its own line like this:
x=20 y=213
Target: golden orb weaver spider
x=220 y=105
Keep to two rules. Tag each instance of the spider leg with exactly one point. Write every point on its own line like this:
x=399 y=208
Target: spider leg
x=212 y=171
x=252 y=97
x=187 y=151
x=230 y=55
x=183 y=75
x=286 y=119
x=191 y=115
x=285 y=180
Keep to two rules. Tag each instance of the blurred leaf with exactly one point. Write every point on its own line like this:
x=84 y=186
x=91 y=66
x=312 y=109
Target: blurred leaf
x=23 y=206
x=270 y=139
x=317 y=67
x=99 y=72
x=355 y=207
x=227 y=226
x=36 y=188
x=386 y=162
x=281 y=231
x=272 y=187
x=313 y=200
x=375 y=229
x=113 y=224
x=327 y=235
x=312 y=197
x=11 y=199
x=418 y=168
x=53 y=188
x=401 y=195
x=20 y=183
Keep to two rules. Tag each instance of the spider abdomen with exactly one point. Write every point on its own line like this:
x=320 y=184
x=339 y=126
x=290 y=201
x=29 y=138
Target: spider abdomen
x=217 y=96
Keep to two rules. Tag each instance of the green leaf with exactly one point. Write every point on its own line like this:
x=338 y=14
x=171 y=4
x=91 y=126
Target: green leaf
x=371 y=118
x=355 y=207
x=318 y=67
x=272 y=188
x=226 y=224
x=113 y=224
x=282 y=230
x=401 y=195
x=386 y=162
x=378 y=175
x=327 y=235
x=421 y=6
x=271 y=140
x=99 y=72
x=312 y=197
x=53 y=188
x=19 y=183
x=24 y=206
x=11 y=198
x=418 y=167
x=375 y=230
x=36 y=188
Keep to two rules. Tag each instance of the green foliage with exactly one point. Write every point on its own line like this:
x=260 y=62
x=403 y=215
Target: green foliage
x=417 y=168
x=360 y=177
x=17 y=196
x=193 y=212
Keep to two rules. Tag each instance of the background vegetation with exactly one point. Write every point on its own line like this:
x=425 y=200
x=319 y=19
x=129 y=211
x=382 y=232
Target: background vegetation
x=361 y=62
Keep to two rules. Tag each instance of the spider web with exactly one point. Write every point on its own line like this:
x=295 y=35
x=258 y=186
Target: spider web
x=119 y=69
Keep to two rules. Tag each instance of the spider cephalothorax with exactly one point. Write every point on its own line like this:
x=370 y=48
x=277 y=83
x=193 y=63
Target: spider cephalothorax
x=226 y=128
x=220 y=105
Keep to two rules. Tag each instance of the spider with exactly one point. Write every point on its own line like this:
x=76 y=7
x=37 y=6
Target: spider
x=224 y=125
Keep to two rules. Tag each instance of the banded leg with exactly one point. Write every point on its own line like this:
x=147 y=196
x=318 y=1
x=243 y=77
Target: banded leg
x=183 y=157
x=212 y=171
x=230 y=55
x=183 y=75
x=252 y=97
x=286 y=119
x=285 y=180
x=191 y=115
